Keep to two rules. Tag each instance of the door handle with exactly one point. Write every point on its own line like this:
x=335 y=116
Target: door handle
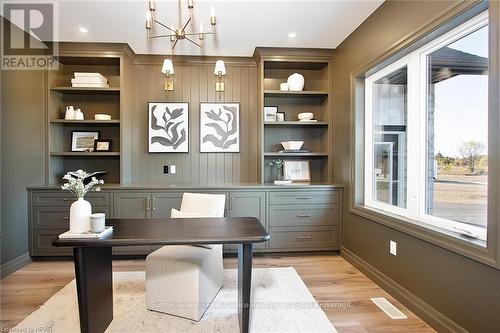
x=154 y=204
x=66 y=218
x=304 y=215
x=147 y=204
x=232 y=203
x=303 y=237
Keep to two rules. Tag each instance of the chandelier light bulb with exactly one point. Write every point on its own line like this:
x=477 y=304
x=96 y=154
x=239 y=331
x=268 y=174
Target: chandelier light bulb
x=152 y=5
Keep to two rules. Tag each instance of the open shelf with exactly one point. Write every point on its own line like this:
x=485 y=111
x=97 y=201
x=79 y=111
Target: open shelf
x=310 y=154
x=86 y=90
x=304 y=93
x=85 y=122
x=85 y=154
x=295 y=123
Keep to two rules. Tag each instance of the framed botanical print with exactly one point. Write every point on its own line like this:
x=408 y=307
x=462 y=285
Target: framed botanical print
x=168 y=130
x=219 y=127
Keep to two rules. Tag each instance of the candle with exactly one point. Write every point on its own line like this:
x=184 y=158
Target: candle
x=149 y=21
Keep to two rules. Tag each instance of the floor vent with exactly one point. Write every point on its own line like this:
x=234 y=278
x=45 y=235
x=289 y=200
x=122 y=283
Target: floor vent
x=388 y=308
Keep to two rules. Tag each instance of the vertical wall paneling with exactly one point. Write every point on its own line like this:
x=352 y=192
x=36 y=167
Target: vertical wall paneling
x=194 y=82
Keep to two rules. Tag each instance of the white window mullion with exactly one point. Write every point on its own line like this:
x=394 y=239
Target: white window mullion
x=413 y=135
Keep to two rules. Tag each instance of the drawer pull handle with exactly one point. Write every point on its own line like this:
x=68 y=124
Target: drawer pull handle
x=303 y=198
x=66 y=218
x=68 y=199
x=304 y=215
x=303 y=237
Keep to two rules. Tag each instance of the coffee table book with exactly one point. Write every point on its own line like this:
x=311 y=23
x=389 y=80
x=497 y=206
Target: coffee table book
x=69 y=235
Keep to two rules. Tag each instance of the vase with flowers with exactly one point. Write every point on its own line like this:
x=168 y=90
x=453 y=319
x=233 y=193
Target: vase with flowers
x=80 y=183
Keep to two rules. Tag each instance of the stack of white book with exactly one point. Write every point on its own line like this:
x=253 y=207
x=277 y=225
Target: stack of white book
x=89 y=80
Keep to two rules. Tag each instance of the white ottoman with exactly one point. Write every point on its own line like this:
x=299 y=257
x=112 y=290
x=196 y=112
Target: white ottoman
x=183 y=280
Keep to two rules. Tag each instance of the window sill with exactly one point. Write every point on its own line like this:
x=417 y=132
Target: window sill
x=472 y=249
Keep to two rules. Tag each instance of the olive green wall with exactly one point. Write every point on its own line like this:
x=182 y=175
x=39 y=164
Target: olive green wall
x=465 y=291
x=22 y=154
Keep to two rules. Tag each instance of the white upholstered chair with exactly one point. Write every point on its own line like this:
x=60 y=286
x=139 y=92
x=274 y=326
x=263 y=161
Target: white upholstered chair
x=183 y=280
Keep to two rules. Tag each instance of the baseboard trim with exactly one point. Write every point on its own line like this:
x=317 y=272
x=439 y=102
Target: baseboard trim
x=13 y=265
x=427 y=313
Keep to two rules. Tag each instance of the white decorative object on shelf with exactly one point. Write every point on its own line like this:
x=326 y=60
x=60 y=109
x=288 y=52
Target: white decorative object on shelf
x=79 y=115
x=70 y=113
x=306 y=116
x=102 y=116
x=80 y=211
x=295 y=82
x=292 y=145
x=89 y=80
x=282 y=182
x=284 y=86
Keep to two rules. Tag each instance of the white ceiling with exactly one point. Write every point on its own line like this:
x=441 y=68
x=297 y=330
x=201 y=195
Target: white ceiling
x=241 y=25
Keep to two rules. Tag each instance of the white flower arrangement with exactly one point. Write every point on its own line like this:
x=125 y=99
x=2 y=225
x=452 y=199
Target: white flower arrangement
x=76 y=184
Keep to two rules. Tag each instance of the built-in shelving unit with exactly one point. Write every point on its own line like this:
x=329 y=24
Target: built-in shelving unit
x=85 y=154
x=84 y=91
x=88 y=122
x=91 y=101
x=287 y=94
x=295 y=123
x=317 y=68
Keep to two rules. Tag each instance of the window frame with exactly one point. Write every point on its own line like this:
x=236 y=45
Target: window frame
x=416 y=128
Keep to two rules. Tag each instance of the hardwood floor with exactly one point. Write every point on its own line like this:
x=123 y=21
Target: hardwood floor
x=330 y=278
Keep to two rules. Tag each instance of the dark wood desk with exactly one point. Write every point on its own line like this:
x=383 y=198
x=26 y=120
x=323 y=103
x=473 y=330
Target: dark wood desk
x=93 y=264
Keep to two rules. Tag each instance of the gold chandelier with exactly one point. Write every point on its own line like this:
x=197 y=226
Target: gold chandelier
x=179 y=32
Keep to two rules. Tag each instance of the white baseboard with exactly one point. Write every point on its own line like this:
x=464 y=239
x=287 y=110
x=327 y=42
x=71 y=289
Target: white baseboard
x=13 y=265
x=426 y=312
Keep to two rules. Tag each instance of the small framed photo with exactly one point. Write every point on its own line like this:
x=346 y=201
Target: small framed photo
x=297 y=171
x=83 y=141
x=270 y=113
x=102 y=145
x=280 y=116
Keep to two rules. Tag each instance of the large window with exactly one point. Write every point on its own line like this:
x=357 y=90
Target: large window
x=426 y=133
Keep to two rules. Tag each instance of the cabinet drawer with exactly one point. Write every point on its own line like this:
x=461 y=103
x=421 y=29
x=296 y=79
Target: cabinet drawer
x=303 y=238
x=42 y=243
x=304 y=197
x=65 y=199
x=303 y=215
x=58 y=217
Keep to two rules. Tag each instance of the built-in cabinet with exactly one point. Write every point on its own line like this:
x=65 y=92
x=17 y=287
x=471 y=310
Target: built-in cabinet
x=298 y=219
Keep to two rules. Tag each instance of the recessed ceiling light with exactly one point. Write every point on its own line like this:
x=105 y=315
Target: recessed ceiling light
x=292 y=35
x=83 y=30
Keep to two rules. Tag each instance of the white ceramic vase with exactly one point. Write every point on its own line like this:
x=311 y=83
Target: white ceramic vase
x=79 y=216
x=295 y=82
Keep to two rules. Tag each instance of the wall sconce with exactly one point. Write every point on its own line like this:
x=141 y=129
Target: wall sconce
x=220 y=71
x=168 y=69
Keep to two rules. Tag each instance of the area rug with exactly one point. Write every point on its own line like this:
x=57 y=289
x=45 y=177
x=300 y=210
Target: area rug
x=281 y=303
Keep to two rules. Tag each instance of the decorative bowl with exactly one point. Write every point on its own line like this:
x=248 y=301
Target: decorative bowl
x=306 y=116
x=295 y=82
x=292 y=145
x=102 y=116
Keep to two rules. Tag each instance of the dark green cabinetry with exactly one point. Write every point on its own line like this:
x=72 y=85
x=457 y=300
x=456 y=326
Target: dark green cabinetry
x=298 y=219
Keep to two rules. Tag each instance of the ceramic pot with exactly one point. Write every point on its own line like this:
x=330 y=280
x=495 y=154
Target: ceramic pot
x=284 y=86
x=306 y=116
x=295 y=82
x=79 y=115
x=79 y=216
x=70 y=113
